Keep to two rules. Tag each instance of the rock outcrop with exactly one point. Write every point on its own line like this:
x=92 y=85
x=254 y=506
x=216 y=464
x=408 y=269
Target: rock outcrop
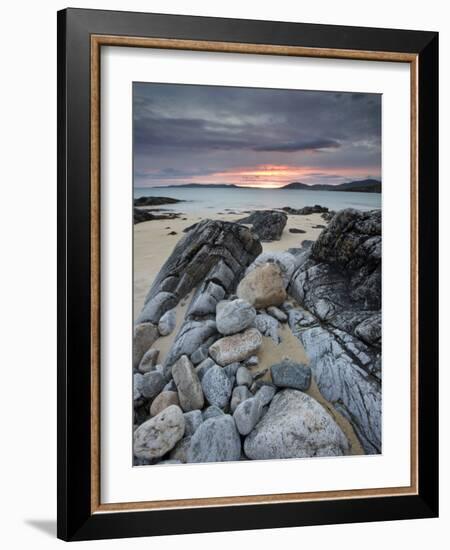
x=338 y=285
x=306 y=210
x=267 y=224
x=155 y=201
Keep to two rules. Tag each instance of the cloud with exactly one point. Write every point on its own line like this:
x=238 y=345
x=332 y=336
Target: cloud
x=188 y=131
x=313 y=145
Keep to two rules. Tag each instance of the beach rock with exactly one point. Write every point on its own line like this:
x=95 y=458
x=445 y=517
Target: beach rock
x=162 y=401
x=211 y=412
x=263 y=286
x=203 y=367
x=167 y=322
x=152 y=384
x=268 y=224
x=286 y=262
x=155 y=201
x=145 y=335
x=148 y=361
x=338 y=286
x=155 y=308
x=170 y=386
x=306 y=210
x=236 y=348
x=295 y=426
x=288 y=374
x=216 y=440
x=206 y=299
x=265 y=394
x=142 y=215
x=296 y=230
x=200 y=354
x=277 y=314
x=193 y=419
x=240 y=394
x=352 y=243
x=189 y=388
x=354 y=391
x=268 y=326
x=180 y=451
x=252 y=361
x=157 y=436
x=190 y=337
x=247 y=415
x=138 y=381
x=244 y=377
x=234 y=316
x=231 y=370
x=216 y=387
x=211 y=251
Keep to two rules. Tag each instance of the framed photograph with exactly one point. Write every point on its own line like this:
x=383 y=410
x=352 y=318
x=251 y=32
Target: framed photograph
x=247 y=274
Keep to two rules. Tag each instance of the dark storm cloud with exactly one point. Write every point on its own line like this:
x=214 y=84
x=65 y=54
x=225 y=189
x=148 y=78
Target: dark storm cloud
x=311 y=145
x=183 y=131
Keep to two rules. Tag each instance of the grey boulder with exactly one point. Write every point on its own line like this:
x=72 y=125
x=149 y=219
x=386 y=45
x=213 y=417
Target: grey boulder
x=193 y=420
x=217 y=387
x=247 y=415
x=240 y=394
x=189 y=388
x=216 y=440
x=145 y=335
x=157 y=436
x=211 y=412
x=244 y=377
x=234 y=316
x=289 y=374
x=152 y=384
x=162 y=401
x=295 y=426
x=167 y=322
x=203 y=367
x=148 y=361
x=265 y=394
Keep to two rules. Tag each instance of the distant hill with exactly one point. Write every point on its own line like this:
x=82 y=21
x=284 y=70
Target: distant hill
x=360 y=186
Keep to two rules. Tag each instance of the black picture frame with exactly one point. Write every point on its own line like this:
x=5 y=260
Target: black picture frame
x=75 y=518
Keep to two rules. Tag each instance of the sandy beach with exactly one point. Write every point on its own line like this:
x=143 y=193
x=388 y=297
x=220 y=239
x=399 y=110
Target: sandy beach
x=153 y=244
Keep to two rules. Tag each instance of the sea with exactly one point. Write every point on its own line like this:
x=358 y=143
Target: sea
x=200 y=201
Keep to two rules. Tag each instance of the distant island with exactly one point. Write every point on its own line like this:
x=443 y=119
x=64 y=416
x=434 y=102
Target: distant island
x=359 y=186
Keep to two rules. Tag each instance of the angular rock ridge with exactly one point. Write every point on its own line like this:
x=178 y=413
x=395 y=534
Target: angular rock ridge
x=214 y=251
x=338 y=285
x=211 y=258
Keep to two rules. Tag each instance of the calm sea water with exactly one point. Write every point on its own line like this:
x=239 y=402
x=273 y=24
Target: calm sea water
x=217 y=200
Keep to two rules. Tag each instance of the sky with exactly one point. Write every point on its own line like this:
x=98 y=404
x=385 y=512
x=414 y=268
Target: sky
x=254 y=137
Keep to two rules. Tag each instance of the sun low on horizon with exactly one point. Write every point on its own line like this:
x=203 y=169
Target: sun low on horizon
x=249 y=137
